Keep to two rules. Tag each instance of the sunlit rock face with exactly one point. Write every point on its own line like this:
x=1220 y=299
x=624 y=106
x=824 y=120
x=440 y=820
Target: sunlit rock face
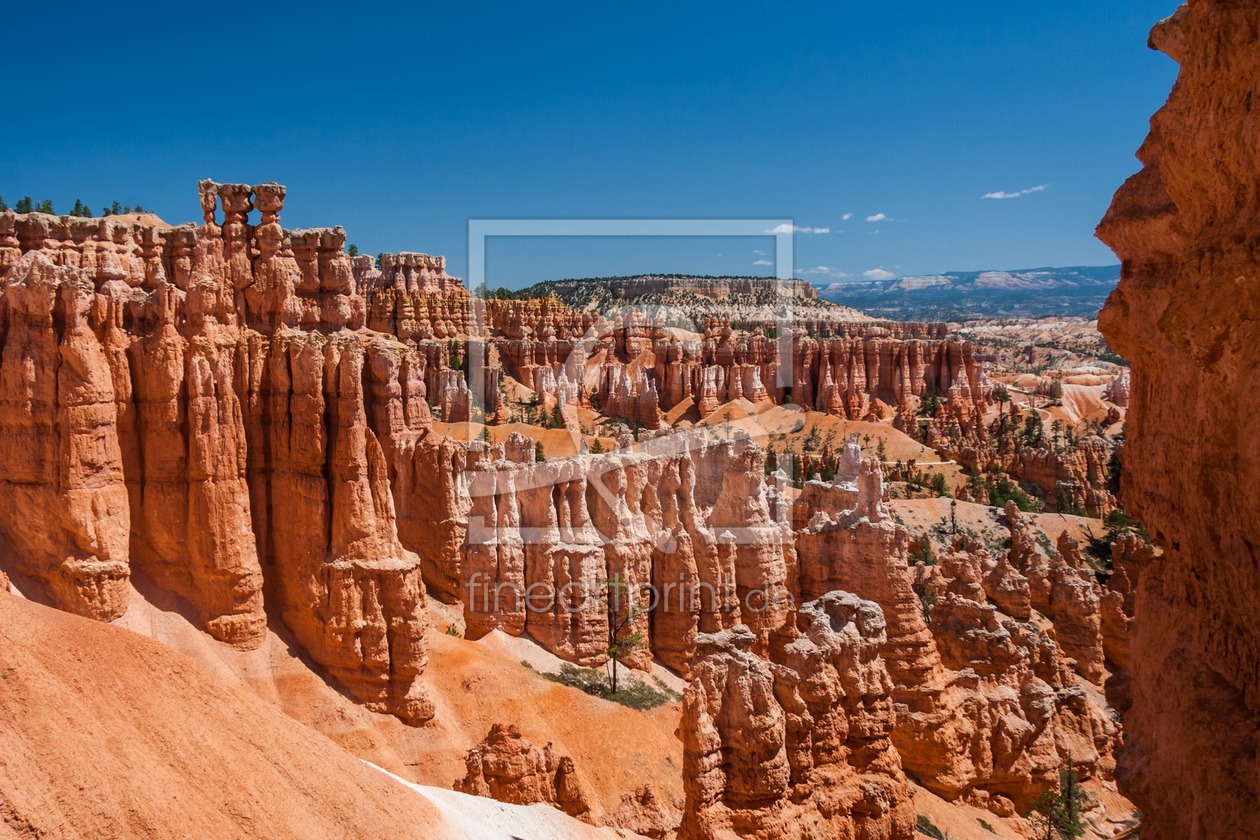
x=798 y=746
x=203 y=403
x=1187 y=315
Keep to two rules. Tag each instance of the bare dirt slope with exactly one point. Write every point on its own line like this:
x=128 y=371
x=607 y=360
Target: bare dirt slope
x=474 y=684
x=104 y=733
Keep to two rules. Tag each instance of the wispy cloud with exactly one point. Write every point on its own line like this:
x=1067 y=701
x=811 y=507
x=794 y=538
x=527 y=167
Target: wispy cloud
x=878 y=217
x=1001 y=195
x=878 y=274
x=846 y=217
x=822 y=269
x=762 y=262
x=786 y=228
x=759 y=253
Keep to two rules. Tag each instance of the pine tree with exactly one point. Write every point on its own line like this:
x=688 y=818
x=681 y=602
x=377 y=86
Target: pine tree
x=620 y=643
x=3 y=206
x=46 y=206
x=1002 y=396
x=353 y=250
x=1057 y=816
x=25 y=205
x=115 y=209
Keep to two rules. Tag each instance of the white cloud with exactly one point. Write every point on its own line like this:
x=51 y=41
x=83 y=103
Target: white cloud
x=878 y=274
x=762 y=262
x=786 y=228
x=846 y=217
x=1001 y=195
x=760 y=253
x=820 y=269
x=878 y=217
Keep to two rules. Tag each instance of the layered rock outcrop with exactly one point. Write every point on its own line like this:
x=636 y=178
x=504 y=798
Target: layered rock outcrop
x=63 y=496
x=634 y=369
x=508 y=767
x=1072 y=473
x=1185 y=314
x=684 y=524
x=986 y=704
x=204 y=402
x=798 y=746
x=643 y=812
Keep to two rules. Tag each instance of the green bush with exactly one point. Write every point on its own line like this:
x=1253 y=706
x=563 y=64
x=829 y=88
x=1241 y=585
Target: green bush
x=634 y=694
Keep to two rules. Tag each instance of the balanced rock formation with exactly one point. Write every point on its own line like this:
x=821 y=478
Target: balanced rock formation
x=1187 y=316
x=508 y=767
x=798 y=746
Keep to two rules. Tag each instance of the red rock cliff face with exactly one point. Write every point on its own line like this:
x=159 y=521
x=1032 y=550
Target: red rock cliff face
x=205 y=402
x=1187 y=315
x=688 y=515
x=63 y=501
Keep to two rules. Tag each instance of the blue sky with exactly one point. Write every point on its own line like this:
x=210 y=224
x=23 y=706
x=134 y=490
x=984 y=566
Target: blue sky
x=402 y=122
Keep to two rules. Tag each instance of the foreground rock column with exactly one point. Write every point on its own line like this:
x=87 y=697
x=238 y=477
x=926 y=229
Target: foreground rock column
x=799 y=747
x=63 y=502
x=1187 y=315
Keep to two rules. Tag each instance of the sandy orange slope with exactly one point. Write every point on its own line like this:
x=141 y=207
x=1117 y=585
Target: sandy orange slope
x=104 y=733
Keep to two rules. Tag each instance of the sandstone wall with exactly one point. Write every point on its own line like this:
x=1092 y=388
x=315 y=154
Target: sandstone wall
x=684 y=515
x=203 y=402
x=1187 y=229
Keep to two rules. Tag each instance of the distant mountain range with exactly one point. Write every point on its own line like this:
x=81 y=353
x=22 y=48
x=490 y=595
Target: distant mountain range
x=965 y=295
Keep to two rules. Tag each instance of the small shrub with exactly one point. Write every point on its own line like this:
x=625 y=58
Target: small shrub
x=923 y=554
x=635 y=694
x=985 y=825
x=925 y=826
